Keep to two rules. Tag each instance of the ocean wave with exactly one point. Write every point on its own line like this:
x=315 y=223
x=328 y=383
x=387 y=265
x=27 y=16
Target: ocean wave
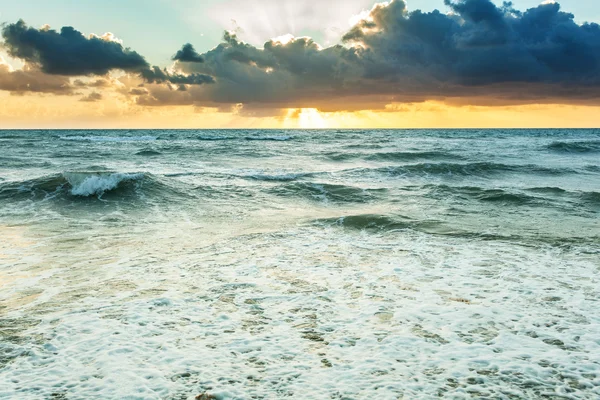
x=551 y=197
x=148 y=153
x=325 y=193
x=109 y=138
x=593 y=168
x=586 y=198
x=376 y=222
x=411 y=156
x=591 y=198
x=286 y=177
x=461 y=169
x=547 y=189
x=87 y=184
x=482 y=194
x=211 y=138
x=393 y=156
x=590 y=146
x=269 y=138
x=76 y=184
x=390 y=224
x=214 y=138
x=131 y=189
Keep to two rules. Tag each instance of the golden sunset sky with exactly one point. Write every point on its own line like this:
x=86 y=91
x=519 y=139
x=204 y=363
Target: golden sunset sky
x=473 y=63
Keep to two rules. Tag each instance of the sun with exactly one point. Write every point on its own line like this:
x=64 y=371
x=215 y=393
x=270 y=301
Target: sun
x=311 y=118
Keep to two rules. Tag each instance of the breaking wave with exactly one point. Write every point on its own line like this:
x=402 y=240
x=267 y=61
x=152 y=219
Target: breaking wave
x=97 y=183
x=76 y=184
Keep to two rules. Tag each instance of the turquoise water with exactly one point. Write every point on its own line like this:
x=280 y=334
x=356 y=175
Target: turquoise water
x=302 y=264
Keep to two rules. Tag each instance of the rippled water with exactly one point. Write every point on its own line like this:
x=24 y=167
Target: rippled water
x=303 y=264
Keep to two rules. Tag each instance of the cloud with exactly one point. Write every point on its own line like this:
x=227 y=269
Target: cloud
x=32 y=80
x=138 y=91
x=98 y=83
x=92 y=97
x=188 y=54
x=69 y=52
x=481 y=52
x=157 y=75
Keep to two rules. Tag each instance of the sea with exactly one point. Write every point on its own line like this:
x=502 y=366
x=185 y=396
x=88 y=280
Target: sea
x=301 y=264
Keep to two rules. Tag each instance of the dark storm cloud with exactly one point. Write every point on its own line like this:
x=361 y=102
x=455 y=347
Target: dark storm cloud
x=495 y=55
x=68 y=52
x=483 y=44
x=188 y=54
x=54 y=56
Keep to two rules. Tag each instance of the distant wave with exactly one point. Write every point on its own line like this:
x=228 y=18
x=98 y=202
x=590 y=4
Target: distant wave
x=544 y=196
x=461 y=169
x=285 y=177
x=210 y=138
x=324 y=192
x=368 y=222
x=214 y=138
x=389 y=224
x=591 y=198
x=269 y=138
x=486 y=195
x=110 y=138
x=547 y=189
x=593 y=168
x=148 y=153
x=393 y=156
x=591 y=146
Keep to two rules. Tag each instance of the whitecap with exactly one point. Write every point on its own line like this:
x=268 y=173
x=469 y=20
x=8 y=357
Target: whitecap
x=94 y=183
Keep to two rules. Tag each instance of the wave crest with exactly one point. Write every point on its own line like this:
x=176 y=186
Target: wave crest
x=325 y=192
x=87 y=184
x=461 y=169
x=400 y=156
x=590 y=146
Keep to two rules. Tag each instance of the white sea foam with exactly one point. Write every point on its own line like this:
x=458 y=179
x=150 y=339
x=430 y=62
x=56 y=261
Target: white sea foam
x=307 y=313
x=110 y=138
x=91 y=184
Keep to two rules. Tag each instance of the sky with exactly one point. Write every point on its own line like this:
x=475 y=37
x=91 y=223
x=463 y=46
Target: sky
x=299 y=64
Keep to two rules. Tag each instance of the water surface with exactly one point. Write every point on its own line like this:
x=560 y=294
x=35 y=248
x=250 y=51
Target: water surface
x=328 y=264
